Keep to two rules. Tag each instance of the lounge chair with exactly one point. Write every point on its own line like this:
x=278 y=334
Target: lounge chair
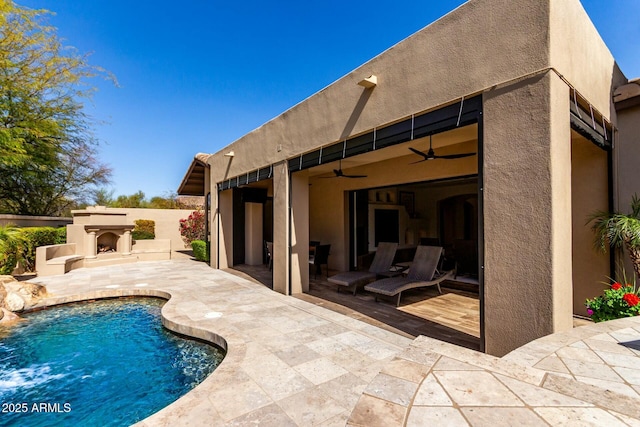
x=423 y=272
x=381 y=264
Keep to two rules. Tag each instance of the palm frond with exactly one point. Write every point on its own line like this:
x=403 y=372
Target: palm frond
x=615 y=230
x=635 y=206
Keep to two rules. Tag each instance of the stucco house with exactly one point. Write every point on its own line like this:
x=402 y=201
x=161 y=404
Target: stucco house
x=526 y=88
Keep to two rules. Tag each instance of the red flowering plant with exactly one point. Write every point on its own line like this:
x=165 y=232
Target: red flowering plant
x=192 y=227
x=617 y=301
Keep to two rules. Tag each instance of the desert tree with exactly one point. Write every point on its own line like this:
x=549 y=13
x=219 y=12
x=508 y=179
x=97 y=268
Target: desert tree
x=48 y=153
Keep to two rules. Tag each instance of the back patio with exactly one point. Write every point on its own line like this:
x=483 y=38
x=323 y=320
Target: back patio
x=293 y=363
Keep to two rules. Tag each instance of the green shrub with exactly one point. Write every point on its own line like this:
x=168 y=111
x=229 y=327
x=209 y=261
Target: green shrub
x=142 y=235
x=10 y=243
x=62 y=235
x=32 y=237
x=8 y=260
x=19 y=245
x=617 y=301
x=200 y=250
x=145 y=227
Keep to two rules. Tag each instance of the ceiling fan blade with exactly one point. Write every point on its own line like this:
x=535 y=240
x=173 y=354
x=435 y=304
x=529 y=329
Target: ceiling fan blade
x=455 y=156
x=419 y=161
x=336 y=174
x=419 y=153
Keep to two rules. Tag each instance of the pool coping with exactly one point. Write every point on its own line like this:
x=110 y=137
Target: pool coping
x=190 y=332
x=275 y=404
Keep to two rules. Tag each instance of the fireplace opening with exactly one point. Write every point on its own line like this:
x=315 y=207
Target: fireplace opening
x=107 y=243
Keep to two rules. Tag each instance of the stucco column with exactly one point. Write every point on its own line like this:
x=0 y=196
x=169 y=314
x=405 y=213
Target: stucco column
x=527 y=212
x=253 y=241
x=126 y=243
x=300 y=232
x=213 y=229
x=281 y=190
x=223 y=226
x=91 y=247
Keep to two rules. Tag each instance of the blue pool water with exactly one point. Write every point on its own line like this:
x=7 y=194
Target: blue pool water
x=104 y=363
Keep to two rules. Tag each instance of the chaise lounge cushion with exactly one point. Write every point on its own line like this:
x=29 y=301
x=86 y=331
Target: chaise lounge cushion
x=381 y=264
x=395 y=285
x=351 y=278
x=423 y=272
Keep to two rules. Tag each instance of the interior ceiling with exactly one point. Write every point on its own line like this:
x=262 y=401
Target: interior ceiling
x=444 y=139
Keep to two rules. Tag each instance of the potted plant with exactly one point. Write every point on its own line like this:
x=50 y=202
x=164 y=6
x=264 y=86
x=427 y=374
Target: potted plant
x=616 y=302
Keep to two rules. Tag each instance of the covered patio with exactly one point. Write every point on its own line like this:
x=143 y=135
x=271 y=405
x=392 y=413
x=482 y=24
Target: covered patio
x=452 y=317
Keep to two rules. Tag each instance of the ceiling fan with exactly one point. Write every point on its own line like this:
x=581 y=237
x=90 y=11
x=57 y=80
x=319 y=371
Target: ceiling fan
x=339 y=174
x=431 y=155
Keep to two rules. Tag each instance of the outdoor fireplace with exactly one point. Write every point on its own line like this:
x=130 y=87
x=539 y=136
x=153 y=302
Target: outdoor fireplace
x=99 y=233
x=104 y=239
x=99 y=237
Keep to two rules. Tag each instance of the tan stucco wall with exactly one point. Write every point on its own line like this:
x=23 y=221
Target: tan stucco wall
x=33 y=221
x=580 y=55
x=590 y=193
x=627 y=156
x=300 y=233
x=167 y=223
x=281 y=228
x=527 y=205
x=224 y=229
x=626 y=160
x=76 y=233
x=253 y=239
x=101 y=215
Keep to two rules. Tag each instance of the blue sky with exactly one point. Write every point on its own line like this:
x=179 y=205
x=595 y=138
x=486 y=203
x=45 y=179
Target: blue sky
x=196 y=75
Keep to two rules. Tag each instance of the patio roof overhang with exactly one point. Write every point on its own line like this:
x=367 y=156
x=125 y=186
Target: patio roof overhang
x=589 y=122
x=459 y=114
x=193 y=183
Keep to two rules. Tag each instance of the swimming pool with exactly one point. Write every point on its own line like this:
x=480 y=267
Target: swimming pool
x=107 y=363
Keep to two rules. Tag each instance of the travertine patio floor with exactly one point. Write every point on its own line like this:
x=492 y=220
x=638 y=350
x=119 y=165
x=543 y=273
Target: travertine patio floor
x=290 y=362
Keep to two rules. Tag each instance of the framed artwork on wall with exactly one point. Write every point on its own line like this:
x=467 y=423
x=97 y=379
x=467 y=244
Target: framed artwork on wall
x=408 y=200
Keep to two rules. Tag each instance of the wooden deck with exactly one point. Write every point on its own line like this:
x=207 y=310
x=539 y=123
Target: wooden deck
x=453 y=316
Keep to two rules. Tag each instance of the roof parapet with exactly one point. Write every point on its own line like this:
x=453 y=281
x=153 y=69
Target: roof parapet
x=627 y=96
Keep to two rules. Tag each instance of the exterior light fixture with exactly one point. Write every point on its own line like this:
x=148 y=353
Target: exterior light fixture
x=229 y=154
x=369 y=82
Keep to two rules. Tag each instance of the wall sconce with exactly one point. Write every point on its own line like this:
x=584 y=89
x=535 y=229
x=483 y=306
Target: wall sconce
x=229 y=154
x=369 y=82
